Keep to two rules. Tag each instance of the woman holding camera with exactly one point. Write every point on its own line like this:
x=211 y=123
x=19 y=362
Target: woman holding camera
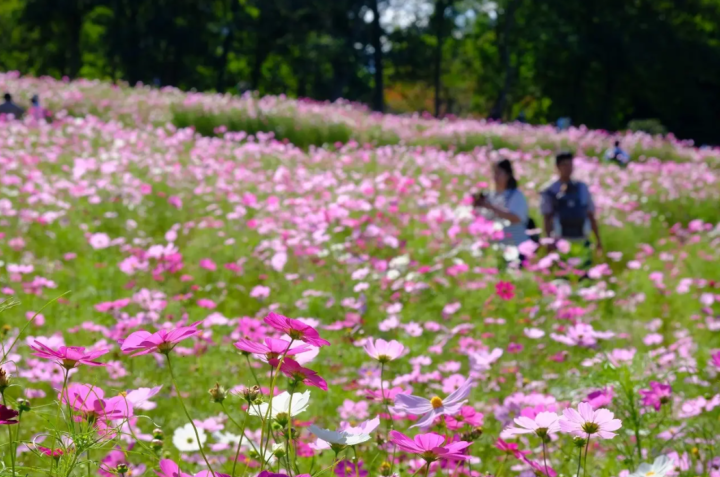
x=506 y=204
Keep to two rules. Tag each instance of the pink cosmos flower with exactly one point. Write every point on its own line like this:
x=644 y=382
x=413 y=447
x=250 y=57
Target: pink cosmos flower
x=267 y=473
x=68 y=357
x=600 y=398
x=467 y=415
x=347 y=468
x=162 y=341
x=384 y=351
x=169 y=468
x=208 y=264
x=715 y=359
x=113 y=459
x=586 y=422
x=657 y=395
x=540 y=468
x=8 y=416
x=435 y=407
x=308 y=377
x=544 y=424
x=90 y=402
x=297 y=330
x=505 y=290
x=510 y=448
x=430 y=446
x=272 y=349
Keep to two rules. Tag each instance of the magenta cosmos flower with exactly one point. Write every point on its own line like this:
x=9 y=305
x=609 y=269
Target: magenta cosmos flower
x=267 y=473
x=272 y=349
x=430 y=446
x=8 y=416
x=169 y=468
x=505 y=290
x=163 y=341
x=384 y=351
x=657 y=395
x=90 y=402
x=297 y=330
x=297 y=373
x=68 y=357
x=432 y=408
x=586 y=422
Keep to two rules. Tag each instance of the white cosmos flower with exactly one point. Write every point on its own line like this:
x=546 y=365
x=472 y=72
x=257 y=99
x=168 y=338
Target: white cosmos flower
x=339 y=437
x=281 y=404
x=659 y=468
x=185 y=440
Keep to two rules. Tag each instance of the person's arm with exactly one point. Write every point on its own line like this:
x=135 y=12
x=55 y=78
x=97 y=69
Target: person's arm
x=593 y=220
x=503 y=213
x=548 y=225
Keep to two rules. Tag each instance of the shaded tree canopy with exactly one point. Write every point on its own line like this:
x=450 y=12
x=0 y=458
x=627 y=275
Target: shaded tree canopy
x=601 y=62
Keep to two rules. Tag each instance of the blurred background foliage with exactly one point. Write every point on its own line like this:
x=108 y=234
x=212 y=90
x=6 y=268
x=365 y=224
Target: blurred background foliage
x=603 y=63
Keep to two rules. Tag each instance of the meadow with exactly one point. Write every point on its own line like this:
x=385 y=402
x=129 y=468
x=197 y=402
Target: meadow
x=331 y=253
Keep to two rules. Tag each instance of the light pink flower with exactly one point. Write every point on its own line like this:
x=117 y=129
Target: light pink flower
x=435 y=407
x=384 y=351
x=586 y=422
x=544 y=424
x=272 y=349
x=169 y=468
x=162 y=341
x=68 y=356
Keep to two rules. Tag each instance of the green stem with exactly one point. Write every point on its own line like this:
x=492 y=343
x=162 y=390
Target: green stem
x=72 y=464
x=269 y=411
x=587 y=446
x=502 y=465
x=357 y=462
x=242 y=434
x=288 y=441
x=427 y=468
x=547 y=473
x=579 y=462
x=11 y=441
x=182 y=404
x=65 y=394
x=257 y=381
x=387 y=411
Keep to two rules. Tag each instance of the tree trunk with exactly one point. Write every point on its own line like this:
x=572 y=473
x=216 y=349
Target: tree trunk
x=74 y=26
x=379 y=92
x=498 y=109
x=440 y=7
x=231 y=18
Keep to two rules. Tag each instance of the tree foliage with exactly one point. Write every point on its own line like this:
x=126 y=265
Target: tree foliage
x=601 y=62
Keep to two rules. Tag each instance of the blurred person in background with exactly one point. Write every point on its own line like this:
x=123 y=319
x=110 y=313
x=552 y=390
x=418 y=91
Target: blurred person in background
x=617 y=155
x=36 y=111
x=506 y=203
x=569 y=211
x=8 y=107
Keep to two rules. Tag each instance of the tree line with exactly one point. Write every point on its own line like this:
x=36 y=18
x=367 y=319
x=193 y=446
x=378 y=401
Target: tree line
x=602 y=63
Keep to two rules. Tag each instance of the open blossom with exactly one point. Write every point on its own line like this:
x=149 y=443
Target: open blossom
x=467 y=416
x=68 y=356
x=384 y=351
x=272 y=349
x=434 y=407
x=430 y=446
x=308 y=377
x=162 y=341
x=657 y=395
x=342 y=438
x=90 y=402
x=659 y=468
x=505 y=290
x=586 y=422
x=7 y=415
x=168 y=468
x=295 y=329
x=282 y=404
x=544 y=424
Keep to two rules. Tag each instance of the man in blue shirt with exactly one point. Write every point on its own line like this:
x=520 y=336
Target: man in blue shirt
x=567 y=207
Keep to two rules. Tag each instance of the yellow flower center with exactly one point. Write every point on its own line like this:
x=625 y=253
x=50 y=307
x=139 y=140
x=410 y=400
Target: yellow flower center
x=650 y=474
x=436 y=402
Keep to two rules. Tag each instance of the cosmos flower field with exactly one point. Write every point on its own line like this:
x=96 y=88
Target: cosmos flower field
x=160 y=285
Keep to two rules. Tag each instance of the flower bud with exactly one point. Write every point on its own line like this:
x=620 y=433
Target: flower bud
x=476 y=433
x=579 y=442
x=5 y=330
x=157 y=434
x=282 y=418
x=23 y=405
x=251 y=394
x=4 y=379
x=279 y=452
x=156 y=444
x=122 y=469
x=385 y=469
x=218 y=393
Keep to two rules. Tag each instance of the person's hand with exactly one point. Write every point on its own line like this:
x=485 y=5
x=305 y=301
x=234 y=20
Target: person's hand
x=479 y=200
